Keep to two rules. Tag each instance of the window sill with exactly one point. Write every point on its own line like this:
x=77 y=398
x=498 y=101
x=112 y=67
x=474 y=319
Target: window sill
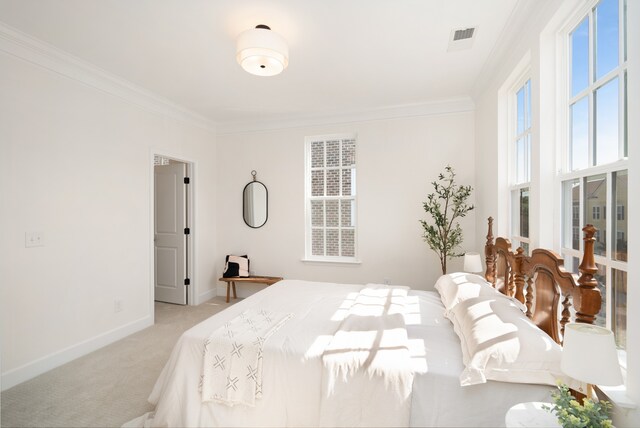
x=332 y=261
x=618 y=396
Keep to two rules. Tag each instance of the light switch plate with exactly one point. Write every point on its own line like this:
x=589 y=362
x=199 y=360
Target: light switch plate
x=33 y=239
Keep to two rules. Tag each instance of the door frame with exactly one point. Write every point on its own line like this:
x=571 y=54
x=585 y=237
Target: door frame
x=191 y=222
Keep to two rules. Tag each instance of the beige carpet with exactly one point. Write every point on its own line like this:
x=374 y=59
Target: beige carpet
x=109 y=386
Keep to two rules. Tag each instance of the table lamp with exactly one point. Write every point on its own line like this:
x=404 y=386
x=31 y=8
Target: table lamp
x=472 y=263
x=589 y=355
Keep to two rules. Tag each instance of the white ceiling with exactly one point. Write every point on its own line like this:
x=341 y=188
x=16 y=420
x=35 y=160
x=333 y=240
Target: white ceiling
x=346 y=56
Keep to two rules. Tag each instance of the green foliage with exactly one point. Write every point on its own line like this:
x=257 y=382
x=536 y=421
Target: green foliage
x=572 y=414
x=445 y=205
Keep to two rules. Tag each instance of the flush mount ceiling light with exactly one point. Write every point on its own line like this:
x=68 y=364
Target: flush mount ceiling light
x=262 y=52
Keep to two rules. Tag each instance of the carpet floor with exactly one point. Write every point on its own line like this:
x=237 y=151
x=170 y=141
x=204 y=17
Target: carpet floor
x=109 y=386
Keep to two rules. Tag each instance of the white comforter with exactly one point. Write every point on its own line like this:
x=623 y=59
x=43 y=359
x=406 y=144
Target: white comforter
x=292 y=369
x=371 y=346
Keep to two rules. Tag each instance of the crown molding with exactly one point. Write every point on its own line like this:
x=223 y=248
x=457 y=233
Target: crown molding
x=524 y=24
x=30 y=49
x=35 y=51
x=432 y=108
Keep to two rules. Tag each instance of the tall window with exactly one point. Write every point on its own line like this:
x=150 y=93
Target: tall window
x=330 y=198
x=594 y=177
x=521 y=165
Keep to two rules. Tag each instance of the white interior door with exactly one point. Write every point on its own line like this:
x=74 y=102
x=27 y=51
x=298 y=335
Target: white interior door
x=170 y=238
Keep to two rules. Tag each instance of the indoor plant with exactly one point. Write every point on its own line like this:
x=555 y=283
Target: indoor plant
x=445 y=205
x=572 y=414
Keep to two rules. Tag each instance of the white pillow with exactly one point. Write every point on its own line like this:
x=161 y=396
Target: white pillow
x=457 y=287
x=500 y=343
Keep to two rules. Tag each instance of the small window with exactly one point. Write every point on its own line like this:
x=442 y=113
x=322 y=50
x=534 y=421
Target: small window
x=331 y=198
x=520 y=166
x=620 y=212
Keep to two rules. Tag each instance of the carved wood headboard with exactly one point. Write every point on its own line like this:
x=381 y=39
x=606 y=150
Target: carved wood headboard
x=542 y=284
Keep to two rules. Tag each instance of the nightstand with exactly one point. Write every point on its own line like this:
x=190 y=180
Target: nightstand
x=530 y=414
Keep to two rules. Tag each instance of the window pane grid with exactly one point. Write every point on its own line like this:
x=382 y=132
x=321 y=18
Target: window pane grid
x=594 y=190
x=331 y=203
x=619 y=193
x=579 y=63
x=520 y=166
x=603 y=198
x=579 y=136
x=606 y=37
x=623 y=25
x=597 y=61
x=601 y=277
x=625 y=119
x=619 y=307
x=606 y=138
x=598 y=83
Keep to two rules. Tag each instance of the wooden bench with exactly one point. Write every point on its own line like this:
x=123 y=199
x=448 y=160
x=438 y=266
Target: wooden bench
x=231 y=282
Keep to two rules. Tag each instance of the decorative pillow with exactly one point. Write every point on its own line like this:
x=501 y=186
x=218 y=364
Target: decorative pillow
x=457 y=287
x=500 y=343
x=236 y=266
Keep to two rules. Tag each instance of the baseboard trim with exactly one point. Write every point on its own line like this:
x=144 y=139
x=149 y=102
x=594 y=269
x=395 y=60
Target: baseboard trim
x=207 y=295
x=30 y=370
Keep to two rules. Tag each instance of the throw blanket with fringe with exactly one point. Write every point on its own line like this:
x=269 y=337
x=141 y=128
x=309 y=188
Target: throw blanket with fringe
x=371 y=349
x=232 y=372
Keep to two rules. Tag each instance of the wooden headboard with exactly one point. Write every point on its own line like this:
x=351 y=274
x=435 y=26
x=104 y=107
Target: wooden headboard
x=542 y=284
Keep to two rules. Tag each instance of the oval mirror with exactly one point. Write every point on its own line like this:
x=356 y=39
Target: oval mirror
x=255 y=204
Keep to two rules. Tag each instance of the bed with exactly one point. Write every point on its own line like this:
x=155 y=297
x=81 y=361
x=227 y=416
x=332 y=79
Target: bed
x=294 y=388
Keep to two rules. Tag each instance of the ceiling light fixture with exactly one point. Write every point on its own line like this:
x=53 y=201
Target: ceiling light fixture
x=262 y=52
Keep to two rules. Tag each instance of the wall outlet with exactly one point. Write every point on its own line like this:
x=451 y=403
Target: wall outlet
x=117 y=305
x=33 y=239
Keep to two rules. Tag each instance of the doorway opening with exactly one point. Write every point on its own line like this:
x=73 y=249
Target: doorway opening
x=172 y=230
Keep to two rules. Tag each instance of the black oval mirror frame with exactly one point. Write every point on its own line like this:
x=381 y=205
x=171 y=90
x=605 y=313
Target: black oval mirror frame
x=250 y=202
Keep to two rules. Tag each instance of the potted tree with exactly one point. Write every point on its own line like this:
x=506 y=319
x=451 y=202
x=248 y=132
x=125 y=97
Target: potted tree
x=445 y=205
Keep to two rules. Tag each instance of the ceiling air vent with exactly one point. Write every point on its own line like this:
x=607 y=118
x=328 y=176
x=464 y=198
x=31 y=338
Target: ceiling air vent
x=467 y=33
x=461 y=38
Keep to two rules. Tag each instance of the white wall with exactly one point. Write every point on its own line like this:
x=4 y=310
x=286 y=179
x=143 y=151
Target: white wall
x=492 y=158
x=536 y=36
x=397 y=160
x=76 y=166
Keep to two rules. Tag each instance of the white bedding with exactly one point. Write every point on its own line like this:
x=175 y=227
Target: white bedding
x=292 y=369
x=232 y=367
x=371 y=346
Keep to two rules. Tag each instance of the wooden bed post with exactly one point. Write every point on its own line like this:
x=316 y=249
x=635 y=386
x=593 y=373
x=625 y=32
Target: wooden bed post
x=519 y=274
x=489 y=255
x=589 y=299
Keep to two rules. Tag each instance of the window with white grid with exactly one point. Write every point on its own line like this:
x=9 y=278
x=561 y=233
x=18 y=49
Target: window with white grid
x=330 y=194
x=595 y=173
x=520 y=141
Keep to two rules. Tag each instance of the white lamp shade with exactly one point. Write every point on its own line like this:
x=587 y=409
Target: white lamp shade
x=589 y=355
x=472 y=262
x=262 y=52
